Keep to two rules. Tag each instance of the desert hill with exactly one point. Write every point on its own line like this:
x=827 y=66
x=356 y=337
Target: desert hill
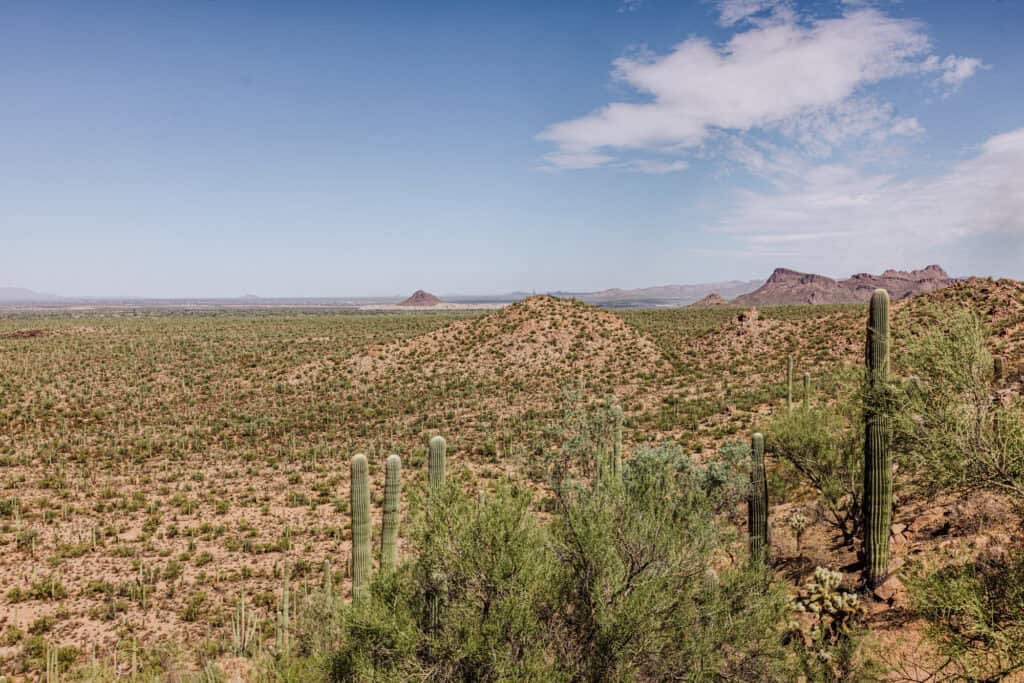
x=791 y=287
x=421 y=298
x=710 y=301
x=542 y=341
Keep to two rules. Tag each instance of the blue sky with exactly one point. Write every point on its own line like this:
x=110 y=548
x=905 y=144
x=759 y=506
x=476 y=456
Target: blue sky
x=217 y=148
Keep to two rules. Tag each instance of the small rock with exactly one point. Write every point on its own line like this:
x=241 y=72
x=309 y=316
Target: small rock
x=891 y=591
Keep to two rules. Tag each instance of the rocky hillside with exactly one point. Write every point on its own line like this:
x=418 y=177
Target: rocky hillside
x=421 y=298
x=710 y=301
x=791 y=287
x=540 y=343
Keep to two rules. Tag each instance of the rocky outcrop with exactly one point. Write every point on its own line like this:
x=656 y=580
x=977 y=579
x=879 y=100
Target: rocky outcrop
x=787 y=286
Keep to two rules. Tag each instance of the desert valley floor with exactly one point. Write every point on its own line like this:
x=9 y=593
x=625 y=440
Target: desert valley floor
x=156 y=466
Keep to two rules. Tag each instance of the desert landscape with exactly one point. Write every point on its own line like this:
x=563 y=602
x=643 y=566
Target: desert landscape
x=168 y=473
x=603 y=341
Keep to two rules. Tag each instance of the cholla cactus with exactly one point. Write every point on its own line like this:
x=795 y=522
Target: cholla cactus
x=835 y=612
x=798 y=523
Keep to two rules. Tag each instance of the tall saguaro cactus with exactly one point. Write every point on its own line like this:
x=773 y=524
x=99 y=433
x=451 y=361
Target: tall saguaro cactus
x=361 y=560
x=877 y=457
x=436 y=464
x=617 y=418
x=807 y=390
x=789 y=384
x=757 y=503
x=392 y=506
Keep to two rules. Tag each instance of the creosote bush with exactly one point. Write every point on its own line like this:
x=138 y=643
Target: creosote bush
x=824 y=445
x=613 y=587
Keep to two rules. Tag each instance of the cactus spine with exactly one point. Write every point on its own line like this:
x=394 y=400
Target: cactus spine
x=436 y=464
x=789 y=384
x=877 y=458
x=361 y=561
x=392 y=505
x=757 y=503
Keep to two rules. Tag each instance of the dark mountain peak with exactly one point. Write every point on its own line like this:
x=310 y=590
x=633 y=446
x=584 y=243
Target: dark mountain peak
x=421 y=298
x=786 y=275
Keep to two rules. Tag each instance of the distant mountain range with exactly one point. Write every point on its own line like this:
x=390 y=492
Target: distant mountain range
x=790 y=287
x=783 y=287
x=20 y=295
x=665 y=295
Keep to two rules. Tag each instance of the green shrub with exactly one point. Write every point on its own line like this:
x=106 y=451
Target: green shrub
x=824 y=445
x=975 y=615
x=614 y=587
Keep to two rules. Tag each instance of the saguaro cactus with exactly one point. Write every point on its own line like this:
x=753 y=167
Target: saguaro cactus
x=436 y=464
x=617 y=417
x=877 y=458
x=757 y=503
x=361 y=560
x=807 y=390
x=392 y=505
x=789 y=384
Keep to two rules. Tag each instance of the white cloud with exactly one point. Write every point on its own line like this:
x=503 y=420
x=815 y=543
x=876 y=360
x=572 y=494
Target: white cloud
x=732 y=12
x=653 y=166
x=830 y=209
x=953 y=70
x=806 y=80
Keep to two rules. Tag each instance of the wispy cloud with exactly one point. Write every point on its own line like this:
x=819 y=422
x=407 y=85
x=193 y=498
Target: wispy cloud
x=806 y=79
x=732 y=12
x=838 y=205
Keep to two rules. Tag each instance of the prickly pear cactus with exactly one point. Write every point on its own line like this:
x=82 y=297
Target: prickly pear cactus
x=361 y=560
x=392 y=507
x=877 y=457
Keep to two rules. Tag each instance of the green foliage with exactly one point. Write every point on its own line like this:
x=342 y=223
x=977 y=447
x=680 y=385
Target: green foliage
x=824 y=445
x=975 y=615
x=950 y=431
x=495 y=562
x=614 y=588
